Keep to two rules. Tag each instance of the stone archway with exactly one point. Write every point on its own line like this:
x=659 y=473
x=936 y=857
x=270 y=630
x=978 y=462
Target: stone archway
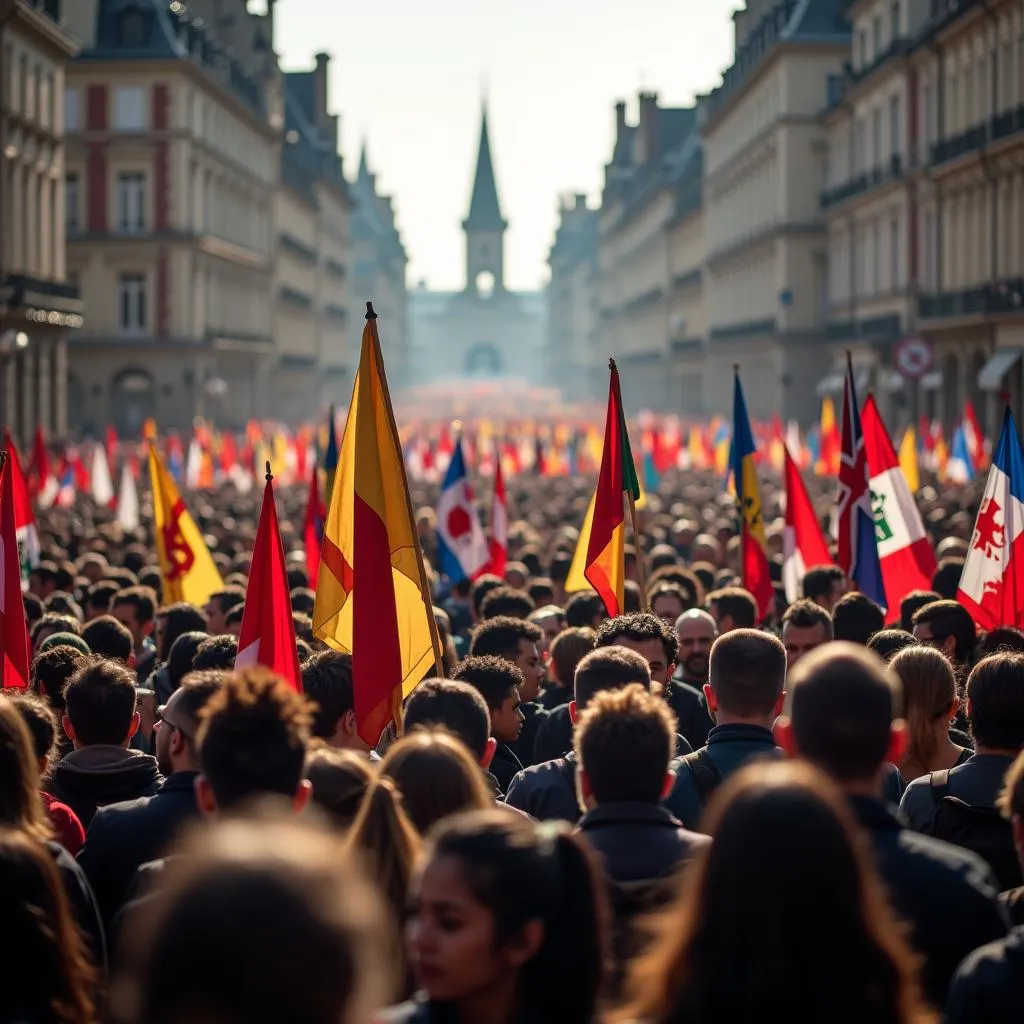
x=132 y=401
x=483 y=360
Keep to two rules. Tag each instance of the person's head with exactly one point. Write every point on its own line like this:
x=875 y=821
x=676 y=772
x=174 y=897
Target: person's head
x=887 y=643
x=303 y=927
x=482 y=586
x=697 y=631
x=42 y=579
x=327 y=680
x=99 y=702
x=52 y=623
x=607 y=668
x=625 y=741
x=668 y=601
x=218 y=606
x=99 y=598
x=1002 y=638
x=62 y=603
x=302 y=600
x=33 y=609
x=217 y=653
x=567 y=649
x=585 y=609
x=732 y=608
x=746 y=678
x=252 y=740
x=948 y=627
x=497 y=903
x=178 y=721
x=550 y=619
x=946 y=578
x=455 y=707
x=21 y=806
x=41 y=722
x=929 y=699
x=843 y=715
x=727 y=946
x=824 y=585
x=1011 y=804
x=542 y=592
x=174 y=619
x=805 y=626
x=436 y=776
x=856 y=619
x=51 y=670
x=912 y=604
x=652 y=638
x=107 y=638
x=500 y=684
x=45 y=965
x=340 y=779
x=995 y=703
x=516 y=641
x=233 y=621
x=135 y=609
x=182 y=654
x=508 y=602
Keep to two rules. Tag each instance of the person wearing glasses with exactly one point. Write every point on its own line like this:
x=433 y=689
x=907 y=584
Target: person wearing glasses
x=122 y=836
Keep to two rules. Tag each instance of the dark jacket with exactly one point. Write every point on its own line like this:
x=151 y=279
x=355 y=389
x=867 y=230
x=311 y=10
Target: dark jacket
x=638 y=842
x=989 y=985
x=554 y=735
x=547 y=791
x=505 y=766
x=555 y=696
x=96 y=776
x=691 y=711
x=977 y=782
x=126 y=835
x=533 y=715
x=82 y=901
x=947 y=895
x=730 y=747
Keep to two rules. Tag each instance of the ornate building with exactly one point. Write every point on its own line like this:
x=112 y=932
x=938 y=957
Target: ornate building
x=485 y=330
x=39 y=306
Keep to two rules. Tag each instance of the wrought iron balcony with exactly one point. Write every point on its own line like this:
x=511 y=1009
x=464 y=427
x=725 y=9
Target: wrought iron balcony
x=996 y=299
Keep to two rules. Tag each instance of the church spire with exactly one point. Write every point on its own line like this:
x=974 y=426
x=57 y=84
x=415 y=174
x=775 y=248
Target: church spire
x=364 y=163
x=484 y=207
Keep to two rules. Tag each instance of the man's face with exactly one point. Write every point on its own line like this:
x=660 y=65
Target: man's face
x=653 y=652
x=695 y=639
x=507 y=721
x=129 y=618
x=946 y=644
x=831 y=599
x=552 y=627
x=215 y=617
x=724 y=622
x=667 y=607
x=798 y=640
x=528 y=661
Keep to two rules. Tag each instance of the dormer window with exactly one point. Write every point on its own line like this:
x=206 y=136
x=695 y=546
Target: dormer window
x=133 y=28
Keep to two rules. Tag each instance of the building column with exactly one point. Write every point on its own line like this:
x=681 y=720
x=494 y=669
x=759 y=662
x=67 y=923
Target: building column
x=23 y=369
x=59 y=368
x=41 y=371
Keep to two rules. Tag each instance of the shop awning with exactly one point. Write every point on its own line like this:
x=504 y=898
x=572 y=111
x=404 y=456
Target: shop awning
x=990 y=376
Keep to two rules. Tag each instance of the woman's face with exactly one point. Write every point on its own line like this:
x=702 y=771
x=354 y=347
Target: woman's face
x=450 y=936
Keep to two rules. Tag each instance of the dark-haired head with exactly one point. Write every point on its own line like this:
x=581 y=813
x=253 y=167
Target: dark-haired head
x=1000 y=640
x=651 y=637
x=947 y=626
x=929 y=703
x=995 y=703
x=456 y=707
x=100 y=705
x=506 y=601
x=183 y=653
x=946 y=578
x=732 y=608
x=912 y=604
x=887 y=643
x=856 y=619
x=746 y=677
x=607 y=668
x=340 y=779
x=805 y=626
x=824 y=585
x=174 y=619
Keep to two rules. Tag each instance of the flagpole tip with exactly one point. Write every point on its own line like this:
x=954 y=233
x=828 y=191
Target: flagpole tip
x=736 y=369
x=611 y=364
x=270 y=476
x=370 y=314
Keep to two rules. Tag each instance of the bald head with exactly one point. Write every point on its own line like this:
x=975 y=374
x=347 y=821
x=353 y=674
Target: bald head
x=697 y=632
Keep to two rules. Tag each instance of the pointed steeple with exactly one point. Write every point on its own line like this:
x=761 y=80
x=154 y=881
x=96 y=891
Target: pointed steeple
x=364 y=163
x=484 y=207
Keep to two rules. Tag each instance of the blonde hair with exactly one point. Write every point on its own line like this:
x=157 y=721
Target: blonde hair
x=929 y=689
x=21 y=803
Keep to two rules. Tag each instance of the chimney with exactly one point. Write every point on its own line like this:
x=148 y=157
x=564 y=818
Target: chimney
x=739 y=19
x=620 y=121
x=649 y=126
x=581 y=200
x=270 y=22
x=320 y=88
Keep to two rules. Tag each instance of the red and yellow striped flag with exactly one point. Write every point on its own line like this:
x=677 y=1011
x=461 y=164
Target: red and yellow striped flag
x=372 y=598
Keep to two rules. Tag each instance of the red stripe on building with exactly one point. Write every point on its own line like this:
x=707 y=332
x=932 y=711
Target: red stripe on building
x=162 y=187
x=96 y=108
x=96 y=174
x=163 y=296
x=161 y=104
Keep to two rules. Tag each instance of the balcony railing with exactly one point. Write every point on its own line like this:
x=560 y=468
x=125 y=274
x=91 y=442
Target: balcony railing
x=888 y=171
x=880 y=328
x=995 y=299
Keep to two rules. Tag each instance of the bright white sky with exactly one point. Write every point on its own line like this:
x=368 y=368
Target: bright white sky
x=408 y=75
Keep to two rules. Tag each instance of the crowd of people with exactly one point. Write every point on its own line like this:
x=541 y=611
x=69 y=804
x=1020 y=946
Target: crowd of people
x=681 y=814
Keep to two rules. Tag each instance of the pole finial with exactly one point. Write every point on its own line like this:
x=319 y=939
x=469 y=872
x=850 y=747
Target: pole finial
x=611 y=363
x=370 y=314
x=736 y=369
x=270 y=476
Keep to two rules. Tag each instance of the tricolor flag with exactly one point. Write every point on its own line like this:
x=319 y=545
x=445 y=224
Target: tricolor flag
x=461 y=543
x=803 y=544
x=858 y=548
x=102 y=485
x=127 y=499
x=992 y=585
x=960 y=467
x=24 y=518
x=188 y=569
x=267 y=633
x=904 y=550
x=756 y=575
x=13 y=628
x=499 y=522
x=313 y=528
x=605 y=567
x=372 y=598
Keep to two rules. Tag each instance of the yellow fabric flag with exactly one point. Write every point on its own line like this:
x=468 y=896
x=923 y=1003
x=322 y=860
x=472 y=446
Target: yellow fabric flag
x=576 y=581
x=188 y=570
x=908 y=460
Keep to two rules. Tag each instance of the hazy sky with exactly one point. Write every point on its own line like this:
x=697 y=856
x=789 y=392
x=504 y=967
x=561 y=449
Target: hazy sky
x=409 y=75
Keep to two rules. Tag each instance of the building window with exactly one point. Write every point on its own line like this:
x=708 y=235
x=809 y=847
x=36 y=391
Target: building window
x=894 y=253
x=859 y=157
x=876 y=36
x=131 y=202
x=894 y=126
x=130 y=108
x=131 y=304
x=894 y=19
x=46 y=102
x=72 y=203
x=72 y=110
x=862 y=48
x=876 y=136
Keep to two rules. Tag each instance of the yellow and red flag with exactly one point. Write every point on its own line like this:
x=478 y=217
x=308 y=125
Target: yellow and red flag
x=605 y=565
x=188 y=570
x=831 y=442
x=372 y=599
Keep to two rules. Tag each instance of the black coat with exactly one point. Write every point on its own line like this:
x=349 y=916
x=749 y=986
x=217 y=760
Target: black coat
x=547 y=791
x=126 y=835
x=691 y=711
x=989 y=985
x=505 y=766
x=946 y=894
x=83 y=904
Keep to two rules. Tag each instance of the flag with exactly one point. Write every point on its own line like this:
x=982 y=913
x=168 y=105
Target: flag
x=973 y=436
x=330 y=456
x=803 y=542
x=605 y=567
x=188 y=570
x=44 y=482
x=829 y=441
x=267 y=633
x=960 y=467
x=992 y=584
x=13 y=627
x=128 y=499
x=461 y=543
x=102 y=485
x=908 y=460
x=904 y=550
x=756 y=574
x=313 y=528
x=24 y=518
x=193 y=464
x=858 y=549
x=499 y=523
x=372 y=598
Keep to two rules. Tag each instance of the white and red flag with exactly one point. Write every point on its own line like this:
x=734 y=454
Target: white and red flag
x=803 y=543
x=499 y=522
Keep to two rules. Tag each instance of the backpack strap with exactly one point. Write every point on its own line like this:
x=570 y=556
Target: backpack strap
x=938 y=783
x=706 y=776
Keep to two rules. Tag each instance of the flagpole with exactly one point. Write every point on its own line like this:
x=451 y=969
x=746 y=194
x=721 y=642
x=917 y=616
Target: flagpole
x=640 y=570
x=435 y=639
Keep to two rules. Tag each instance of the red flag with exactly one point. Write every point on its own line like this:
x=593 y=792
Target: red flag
x=13 y=628
x=313 y=531
x=499 y=522
x=111 y=444
x=803 y=542
x=267 y=634
x=42 y=481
